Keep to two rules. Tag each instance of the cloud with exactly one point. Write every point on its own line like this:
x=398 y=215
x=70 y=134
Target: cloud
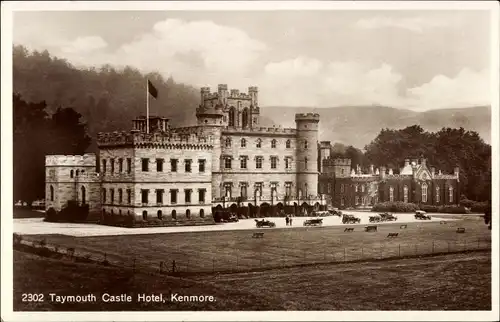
x=84 y=45
x=415 y=24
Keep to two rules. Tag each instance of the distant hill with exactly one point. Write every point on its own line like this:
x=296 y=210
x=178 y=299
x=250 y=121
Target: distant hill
x=110 y=98
x=359 y=125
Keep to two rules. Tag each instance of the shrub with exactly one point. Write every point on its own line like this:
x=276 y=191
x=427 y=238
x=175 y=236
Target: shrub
x=397 y=206
x=480 y=207
x=452 y=209
x=51 y=215
x=429 y=208
x=467 y=202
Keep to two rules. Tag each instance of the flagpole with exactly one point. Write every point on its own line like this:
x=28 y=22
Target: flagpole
x=147 y=106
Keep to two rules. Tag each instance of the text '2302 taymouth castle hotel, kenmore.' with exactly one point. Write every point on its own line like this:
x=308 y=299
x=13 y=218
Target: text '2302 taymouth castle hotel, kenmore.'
x=184 y=175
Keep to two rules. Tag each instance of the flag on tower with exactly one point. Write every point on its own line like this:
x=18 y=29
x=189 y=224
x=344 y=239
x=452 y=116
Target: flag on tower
x=152 y=90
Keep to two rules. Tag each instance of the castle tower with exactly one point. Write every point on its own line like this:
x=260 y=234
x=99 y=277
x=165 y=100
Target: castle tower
x=222 y=93
x=342 y=167
x=307 y=154
x=253 y=91
x=324 y=153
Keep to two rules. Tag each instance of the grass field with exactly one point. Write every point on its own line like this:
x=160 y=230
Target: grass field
x=237 y=251
x=448 y=282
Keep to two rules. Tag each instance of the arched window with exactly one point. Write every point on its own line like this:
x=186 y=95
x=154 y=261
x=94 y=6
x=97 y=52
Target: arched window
x=120 y=212
x=188 y=214
x=51 y=193
x=438 y=196
x=355 y=188
x=362 y=188
x=232 y=116
x=112 y=212
x=174 y=214
x=243 y=143
x=145 y=215
x=391 y=194
x=202 y=213
x=84 y=198
x=228 y=143
x=77 y=172
x=245 y=118
x=259 y=143
x=273 y=144
x=305 y=144
x=405 y=193
x=424 y=192
x=288 y=144
x=159 y=214
x=71 y=174
x=103 y=195
x=450 y=193
x=305 y=163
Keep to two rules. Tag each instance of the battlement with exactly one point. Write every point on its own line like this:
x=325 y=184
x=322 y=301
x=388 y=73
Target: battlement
x=311 y=117
x=166 y=140
x=261 y=130
x=337 y=162
x=325 y=144
x=88 y=159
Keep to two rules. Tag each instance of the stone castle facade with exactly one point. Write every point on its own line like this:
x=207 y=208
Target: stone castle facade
x=414 y=182
x=185 y=174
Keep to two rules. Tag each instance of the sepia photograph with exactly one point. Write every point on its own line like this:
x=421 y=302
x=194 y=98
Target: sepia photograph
x=251 y=161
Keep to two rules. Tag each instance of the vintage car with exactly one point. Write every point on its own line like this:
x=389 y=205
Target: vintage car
x=321 y=213
x=350 y=219
x=420 y=214
x=375 y=218
x=314 y=222
x=388 y=217
x=232 y=218
x=335 y=212
x=264 y=223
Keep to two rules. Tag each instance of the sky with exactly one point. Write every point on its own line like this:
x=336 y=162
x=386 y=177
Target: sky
x=418 y=60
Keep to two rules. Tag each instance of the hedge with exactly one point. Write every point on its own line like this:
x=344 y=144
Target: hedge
x=397 y=206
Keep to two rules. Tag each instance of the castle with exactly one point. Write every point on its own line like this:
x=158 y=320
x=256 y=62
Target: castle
x=184 y=175
x=415 y=182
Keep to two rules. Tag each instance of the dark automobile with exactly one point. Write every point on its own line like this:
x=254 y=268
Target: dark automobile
x=335 y=212
x=376 y=218
x=350 y=219
x=420 y=214
x=233 y=218
x=388 y=217
x=313 y=222
x=264 y=223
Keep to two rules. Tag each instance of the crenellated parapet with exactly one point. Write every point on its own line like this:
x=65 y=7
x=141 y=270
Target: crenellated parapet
x=261 y=131
x=337 y=162
x=167 y=140
x=71 y=160
x=311 y=117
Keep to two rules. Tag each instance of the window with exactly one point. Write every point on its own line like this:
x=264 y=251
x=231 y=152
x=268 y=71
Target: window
x=227 y=189
x=112 y=161
x=342 y=187
x=342 y=201
x=77 y=171
x=274 y=162
x=120 y=165
x=355 y=188
x=424 y=192
x=201 y=165
x=159 y=165
x=174 y=214
x=288 y=144
x=227 y=163
x=129 y=196
x=259 y=143
x=243 y=191
x=104 y=166
x=227 y=143
x=51 y=193
x=187 y=195
x=159 y=196
x=187 y=165
x=84 y=197
x=104 y=195
x=305 y=144
x=71 y=174
x=145 y=215
x=129 y=165
x=120 y=196
x=173 y=165
x=173 y=196
x=405 y=193
x=391 y=194
x=329 y=188
x=201 y=195
x=112 y=193
x=258 y=188
x=305 y=163
x=341 y=171
x=287 y=163
x=273 y=144
x=202 y=213
x=243 y=162
x=258 y=163
x=188 y=214
x=159 y=214
x=362 y=188
x=243 y=143
x=144 y=195
x=437 y=195
x=288 y=189
x=145 y=164
x=450 y=192
x=357 y=200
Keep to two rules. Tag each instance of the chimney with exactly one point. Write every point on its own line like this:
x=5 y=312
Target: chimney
x=371 y=168
x=433 y=172
x=407 y=162
x=390 y=172
x=382 y=172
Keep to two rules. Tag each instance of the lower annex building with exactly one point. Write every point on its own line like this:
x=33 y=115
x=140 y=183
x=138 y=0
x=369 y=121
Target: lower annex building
x=185 y=174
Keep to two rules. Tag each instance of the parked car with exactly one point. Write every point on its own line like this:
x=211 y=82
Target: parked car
x=335 y=212
x=233 y=218
x=264 y=223
x=350 y=219
x=420 y=214
x=388 y=217
x=375 y=218
x=314 y=222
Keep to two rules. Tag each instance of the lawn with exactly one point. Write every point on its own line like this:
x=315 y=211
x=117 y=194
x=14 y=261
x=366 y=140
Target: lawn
x=39 y=275
x=237 y=250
